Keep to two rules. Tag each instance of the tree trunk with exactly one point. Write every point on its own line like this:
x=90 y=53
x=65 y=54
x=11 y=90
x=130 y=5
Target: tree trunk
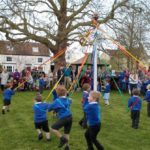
x=128 y=63
x=60 y=61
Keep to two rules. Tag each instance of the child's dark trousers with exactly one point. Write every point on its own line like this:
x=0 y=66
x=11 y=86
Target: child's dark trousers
x=135 y=116
x=148 y=109
x=90 y=135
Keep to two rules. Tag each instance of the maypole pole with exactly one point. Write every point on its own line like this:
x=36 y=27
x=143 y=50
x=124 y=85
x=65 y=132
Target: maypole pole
x=95 y=17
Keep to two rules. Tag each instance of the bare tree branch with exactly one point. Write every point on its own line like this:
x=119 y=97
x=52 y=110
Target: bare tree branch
x=53 y=23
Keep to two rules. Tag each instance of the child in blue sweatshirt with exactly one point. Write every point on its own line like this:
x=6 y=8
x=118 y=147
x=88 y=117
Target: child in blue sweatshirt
x=40 y=118
x=135 y=104
x=106 y=92
x=92 y=111
x=7 y=94
x=86 y=89
x=147 y=98
x=41 y=83
x=61 y=106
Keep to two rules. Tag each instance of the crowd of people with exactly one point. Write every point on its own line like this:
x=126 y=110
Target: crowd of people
x=134 y=79
x=38 y=80
x=24 y=80
x=134 y=82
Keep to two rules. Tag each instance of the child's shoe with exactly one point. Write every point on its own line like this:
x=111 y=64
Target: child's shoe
x=84 y=126
x=67 y=148
x=80 y=122
x=63 y=141
x=106 y=102
x=48 y=140
x=3 y=111
x=40 y=136
x=135 y=127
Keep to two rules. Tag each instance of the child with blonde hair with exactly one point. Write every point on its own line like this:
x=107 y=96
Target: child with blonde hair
x=93 y=115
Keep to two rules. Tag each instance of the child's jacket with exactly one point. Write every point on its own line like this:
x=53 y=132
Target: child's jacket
x=8 y=94
x=55 y=96
x=40 y=110
x=62 y=107
x=135 y=103
x=92 y=111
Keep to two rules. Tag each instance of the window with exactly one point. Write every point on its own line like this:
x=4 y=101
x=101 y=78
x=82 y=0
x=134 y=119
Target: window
x=9 y=48
x=35 y=49
x=9 y=68
x=8 y=58
x=40 y=60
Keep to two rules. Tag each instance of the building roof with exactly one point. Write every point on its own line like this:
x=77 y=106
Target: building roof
x=89 y=61
x=23 y=48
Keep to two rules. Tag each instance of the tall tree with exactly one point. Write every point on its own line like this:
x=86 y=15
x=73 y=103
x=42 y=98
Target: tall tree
x=55 y=23
x=131 y=30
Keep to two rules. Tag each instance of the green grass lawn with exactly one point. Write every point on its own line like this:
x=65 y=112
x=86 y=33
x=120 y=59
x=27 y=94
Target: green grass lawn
x=17 y=128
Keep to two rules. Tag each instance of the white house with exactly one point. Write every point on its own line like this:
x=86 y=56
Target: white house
x=24 y=55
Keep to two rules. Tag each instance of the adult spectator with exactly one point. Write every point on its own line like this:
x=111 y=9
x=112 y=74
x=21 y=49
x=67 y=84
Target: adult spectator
x=121 y=81
x=16 y=75
x=59 y=75
x=133 y=81
x=141 y=75
x=49 y=79
x=67 y=77
x=148 y=72
x=4 y=78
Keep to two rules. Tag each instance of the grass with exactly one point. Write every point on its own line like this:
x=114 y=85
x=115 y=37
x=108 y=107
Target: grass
x=17 y=128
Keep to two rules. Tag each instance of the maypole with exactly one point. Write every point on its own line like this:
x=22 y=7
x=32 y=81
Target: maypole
x=94 y=66
x=95 y=17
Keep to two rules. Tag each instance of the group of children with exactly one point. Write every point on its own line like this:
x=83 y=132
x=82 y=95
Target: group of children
x=91 y=120
x=61 y=106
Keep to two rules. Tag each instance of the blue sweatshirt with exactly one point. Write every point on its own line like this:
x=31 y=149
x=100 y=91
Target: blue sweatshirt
x=61 y=106
x=135 y=103
x=8 y=94
x=41 y=82
x=92 y=111
x=55 y=96
x=107 y=88
x=40 y=110
x=85 y=96
x=147 y=96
